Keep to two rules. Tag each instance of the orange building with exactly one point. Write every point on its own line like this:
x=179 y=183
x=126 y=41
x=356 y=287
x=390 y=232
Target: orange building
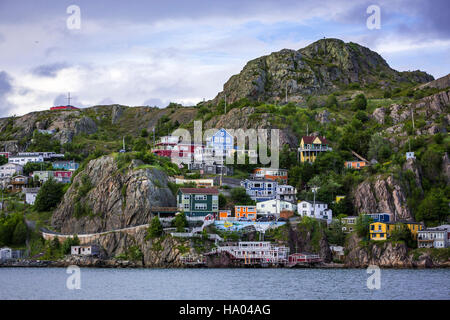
x=355 y=164
x=224 y=214
x=248 y=212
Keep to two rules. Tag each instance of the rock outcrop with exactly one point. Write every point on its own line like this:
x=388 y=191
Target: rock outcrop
x=389 y=255
x=103 y=198
x=382 y=195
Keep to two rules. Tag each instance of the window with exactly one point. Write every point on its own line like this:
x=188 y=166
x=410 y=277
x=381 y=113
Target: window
x=201 y=206
x=200 y=197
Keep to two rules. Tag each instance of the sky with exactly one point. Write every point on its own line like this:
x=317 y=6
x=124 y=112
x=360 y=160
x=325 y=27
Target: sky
x=140 y=53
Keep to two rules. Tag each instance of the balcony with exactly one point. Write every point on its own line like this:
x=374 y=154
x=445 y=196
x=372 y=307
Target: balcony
x=314 y=148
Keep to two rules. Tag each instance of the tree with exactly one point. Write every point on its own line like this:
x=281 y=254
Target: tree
x=335 y=235
x=49 y=195
x=140 y=144
x=144 y=133
x=401 y=232
x=180 y=222
x=20 y=233
x=155 y=229
x=240 y=196
x=222 y=201
x=360 y=102
x=434 y=208
x=36 y=166
x=362 y=225
x=68 y=243
x=3 y=160
x=379 y=149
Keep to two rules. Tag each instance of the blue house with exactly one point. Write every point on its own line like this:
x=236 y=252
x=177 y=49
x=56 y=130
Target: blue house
x=380 y=217
x=65 y=165
x=221 y=142
x=260 y=190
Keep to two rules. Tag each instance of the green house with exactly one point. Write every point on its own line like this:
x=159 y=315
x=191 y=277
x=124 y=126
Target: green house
x=198 y=202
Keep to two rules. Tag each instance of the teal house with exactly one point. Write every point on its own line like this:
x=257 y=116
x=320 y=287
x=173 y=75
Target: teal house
x=198 y=202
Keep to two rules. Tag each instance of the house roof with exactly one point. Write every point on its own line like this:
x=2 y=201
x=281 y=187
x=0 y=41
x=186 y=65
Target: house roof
x=310 y=139
x=199 y=190
x=312 y=202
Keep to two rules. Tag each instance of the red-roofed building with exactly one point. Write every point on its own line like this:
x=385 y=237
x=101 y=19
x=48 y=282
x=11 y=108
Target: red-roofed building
x=64 y=108
x=197 y=203
x=311 y=147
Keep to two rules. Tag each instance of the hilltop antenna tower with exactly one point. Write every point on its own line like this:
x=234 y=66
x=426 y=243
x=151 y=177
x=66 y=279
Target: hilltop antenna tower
x=68 y=98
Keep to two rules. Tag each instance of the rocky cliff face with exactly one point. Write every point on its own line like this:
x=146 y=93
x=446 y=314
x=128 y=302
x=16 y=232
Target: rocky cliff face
x=317 y=69
x=434 y=108
x=114 y=198
x=382 y=195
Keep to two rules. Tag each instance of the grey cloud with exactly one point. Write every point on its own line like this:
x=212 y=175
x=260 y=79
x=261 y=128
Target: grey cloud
x=61 y=100
x=155 y=102
x=49 y=70
x=5 y=88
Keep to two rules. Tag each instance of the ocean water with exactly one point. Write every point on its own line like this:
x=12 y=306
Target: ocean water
x=223 y=284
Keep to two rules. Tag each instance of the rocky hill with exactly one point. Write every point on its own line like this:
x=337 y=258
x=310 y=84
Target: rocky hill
x=320 y=68
x=112 y=121
x=105 y=197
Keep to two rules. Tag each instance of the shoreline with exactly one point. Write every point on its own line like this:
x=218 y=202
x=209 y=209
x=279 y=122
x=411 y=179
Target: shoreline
x=123 y=264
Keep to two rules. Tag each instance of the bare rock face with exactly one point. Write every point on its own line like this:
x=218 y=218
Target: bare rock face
x=413 y=165
x=160 y=252
x=441 y=83
x=383 y=195
x=385 y=255
x=379 y=114
x=323 y=117
x=66 y=130
x=116 y=199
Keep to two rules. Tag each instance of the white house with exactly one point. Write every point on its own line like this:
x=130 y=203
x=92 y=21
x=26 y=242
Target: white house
x=274 y=207
x=9 y=169
x=24 y=159
x=87 y=250
x=319 y=210
x=5 y=253
x=287 y=193
x=434 y=237
x=30 y=195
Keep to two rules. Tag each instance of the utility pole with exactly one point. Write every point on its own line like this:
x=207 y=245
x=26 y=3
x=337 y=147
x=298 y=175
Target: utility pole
x=154 y=137
x=286 y=91
x=124 y=143
x=412 y=117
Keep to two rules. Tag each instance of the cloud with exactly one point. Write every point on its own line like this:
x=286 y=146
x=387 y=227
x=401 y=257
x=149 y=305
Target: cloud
x=155 y=102
x=49 y=70
x=5 y=89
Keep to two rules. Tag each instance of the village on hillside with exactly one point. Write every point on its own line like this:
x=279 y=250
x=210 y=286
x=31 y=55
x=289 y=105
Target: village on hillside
x=265 y=202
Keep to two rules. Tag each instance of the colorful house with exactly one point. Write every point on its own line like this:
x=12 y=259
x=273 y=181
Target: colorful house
x=65 y=165
x=260 y=190
x=248 y=212
x=379 y=217
x=349 y=223
x=224 y=214
x=311 y=147
x=438 y=237
x=198 y=202
x=382 y=230
x=18 y=183
x=357 y=164
x=221 y=142
x=63 y=176
x=279 y=175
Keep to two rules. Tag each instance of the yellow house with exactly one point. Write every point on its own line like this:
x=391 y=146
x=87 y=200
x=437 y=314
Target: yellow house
x=382 y=230
x=311 y=147
x=339 y=198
